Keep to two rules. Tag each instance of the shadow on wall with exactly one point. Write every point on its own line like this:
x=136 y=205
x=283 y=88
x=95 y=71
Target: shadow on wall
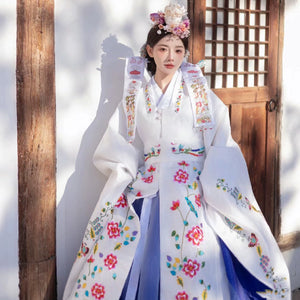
x=85 y=184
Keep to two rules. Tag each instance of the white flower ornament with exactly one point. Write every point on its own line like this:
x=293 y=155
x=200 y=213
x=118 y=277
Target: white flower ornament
x=174 y=19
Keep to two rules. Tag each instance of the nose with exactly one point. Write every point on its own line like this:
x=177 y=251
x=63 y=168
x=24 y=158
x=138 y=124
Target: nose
x=171 y=56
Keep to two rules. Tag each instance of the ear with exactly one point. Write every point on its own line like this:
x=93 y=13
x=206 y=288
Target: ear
x=149 y=50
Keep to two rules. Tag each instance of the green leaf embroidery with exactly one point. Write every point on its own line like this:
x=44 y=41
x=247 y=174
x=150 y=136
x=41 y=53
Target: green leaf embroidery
x=179 y=281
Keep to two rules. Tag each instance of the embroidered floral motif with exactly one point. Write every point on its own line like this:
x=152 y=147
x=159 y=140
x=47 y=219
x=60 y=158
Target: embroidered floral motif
x=175 y=205
x=195 y=235
x=151 y=169
x=182 y=296
x=155 y=151
x=110 y=261
x=125 y=232
x=197 y=200
x=235 y=193
x=122 y=202
x=113 y=230
x=133 y=81
x=264 y=261
x=148 y=179
x=180 y=149
x=179 y=97
x=130 y=106
x=198 y=92
x=84 y=250
x=188 y=266
x=191 y=268
x=181 y=176
x=201 y=100
x=95 y=226
x=253 y=240
x=98 y=291
x=148 y=99
x=183 y=163
x=191 y=206
x=99 y=262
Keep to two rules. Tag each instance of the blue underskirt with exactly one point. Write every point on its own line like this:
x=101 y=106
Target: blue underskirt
x=242 y=284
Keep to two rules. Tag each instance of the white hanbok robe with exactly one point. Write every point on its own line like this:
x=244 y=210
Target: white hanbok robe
x=182 y=149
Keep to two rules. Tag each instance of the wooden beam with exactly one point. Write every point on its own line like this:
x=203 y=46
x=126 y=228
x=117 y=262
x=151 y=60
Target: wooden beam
x=36 y=148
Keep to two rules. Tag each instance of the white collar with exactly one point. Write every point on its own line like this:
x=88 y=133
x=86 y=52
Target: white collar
x=164 y=100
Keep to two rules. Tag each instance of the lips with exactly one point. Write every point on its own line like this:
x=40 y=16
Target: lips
x=169 y=66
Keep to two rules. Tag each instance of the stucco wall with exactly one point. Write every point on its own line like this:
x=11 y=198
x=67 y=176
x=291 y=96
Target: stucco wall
x=290 y=135
x=8 y=154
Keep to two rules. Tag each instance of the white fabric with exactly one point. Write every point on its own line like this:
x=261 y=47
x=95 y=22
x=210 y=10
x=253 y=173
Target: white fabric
x=203 y=195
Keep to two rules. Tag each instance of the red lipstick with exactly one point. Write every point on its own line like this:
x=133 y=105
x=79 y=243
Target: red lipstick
x=169 y=66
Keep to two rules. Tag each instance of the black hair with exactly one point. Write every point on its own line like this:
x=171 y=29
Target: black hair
x=152 y=39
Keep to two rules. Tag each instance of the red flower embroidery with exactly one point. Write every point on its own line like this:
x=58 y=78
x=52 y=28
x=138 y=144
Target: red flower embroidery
x=84 y=249
x=183 y=163
x=110 y=261
x=113 y=230
x=182 y=296
x=198 y=104
x=148 y=179
x=151 y=169
x=91 y=259
x=139 y=194
x=98 y=291
x=253 y=240
x=122 y=202
x=191 y=268
x=195 y=235
x=175 y=205
x=197 y=200
x=181 y=176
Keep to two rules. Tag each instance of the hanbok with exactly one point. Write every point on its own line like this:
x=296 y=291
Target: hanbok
x=177 y=218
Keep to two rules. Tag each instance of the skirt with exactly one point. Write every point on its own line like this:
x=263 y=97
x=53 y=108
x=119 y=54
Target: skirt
x=144 y=283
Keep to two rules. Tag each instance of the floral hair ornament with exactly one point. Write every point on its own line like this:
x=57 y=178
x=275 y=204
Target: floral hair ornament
x=174 y=19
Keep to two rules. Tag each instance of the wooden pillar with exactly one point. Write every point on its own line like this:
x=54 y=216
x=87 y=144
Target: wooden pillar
x=36 y=148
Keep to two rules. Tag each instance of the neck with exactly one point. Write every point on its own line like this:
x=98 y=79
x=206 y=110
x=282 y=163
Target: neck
x=163 y=80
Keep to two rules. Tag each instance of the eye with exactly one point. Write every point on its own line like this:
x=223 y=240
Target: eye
x=179 y=51
x=162 y=49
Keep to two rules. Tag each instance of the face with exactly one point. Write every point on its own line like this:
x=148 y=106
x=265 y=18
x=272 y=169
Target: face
x=168 y=55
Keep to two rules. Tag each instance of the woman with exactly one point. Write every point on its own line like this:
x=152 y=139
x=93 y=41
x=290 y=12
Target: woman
x=177 y=218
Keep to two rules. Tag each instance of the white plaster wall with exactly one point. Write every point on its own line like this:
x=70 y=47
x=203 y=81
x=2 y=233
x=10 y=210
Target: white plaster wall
x=290 y=150
x=8 y=154
x=290 y=135
x=92 y=38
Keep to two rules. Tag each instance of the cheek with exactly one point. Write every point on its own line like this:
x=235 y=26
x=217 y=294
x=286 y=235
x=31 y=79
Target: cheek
x=160 y=56
x=180 y=57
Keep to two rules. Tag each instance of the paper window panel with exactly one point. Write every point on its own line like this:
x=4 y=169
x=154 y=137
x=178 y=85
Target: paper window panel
x=237 y=42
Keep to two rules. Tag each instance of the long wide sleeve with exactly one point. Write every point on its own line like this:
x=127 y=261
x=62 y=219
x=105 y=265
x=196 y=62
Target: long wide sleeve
x=233 y=211
x=112 y=233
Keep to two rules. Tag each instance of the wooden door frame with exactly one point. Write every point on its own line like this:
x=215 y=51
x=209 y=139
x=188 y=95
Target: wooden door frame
x=35 y=83
x=196 y=10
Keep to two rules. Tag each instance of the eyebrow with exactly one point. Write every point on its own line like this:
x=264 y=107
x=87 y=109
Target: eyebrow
x=164 y=45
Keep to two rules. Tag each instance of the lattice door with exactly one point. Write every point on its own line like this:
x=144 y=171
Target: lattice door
x=239 y=41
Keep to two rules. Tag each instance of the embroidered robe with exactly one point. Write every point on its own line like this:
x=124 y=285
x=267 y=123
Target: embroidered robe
x=186 y=153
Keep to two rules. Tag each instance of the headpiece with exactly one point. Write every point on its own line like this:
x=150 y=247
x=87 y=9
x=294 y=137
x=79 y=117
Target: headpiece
x=174 y=19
